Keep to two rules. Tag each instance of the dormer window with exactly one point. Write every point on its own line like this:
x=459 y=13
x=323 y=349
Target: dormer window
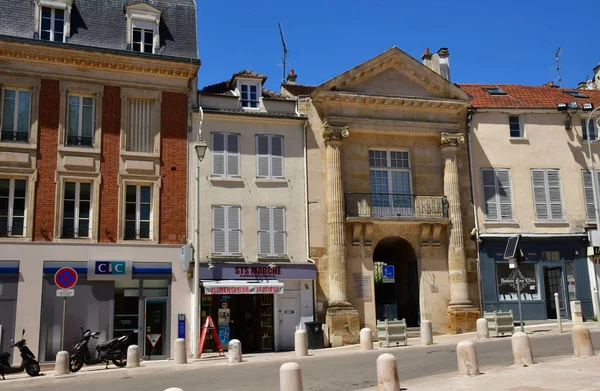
x=143 y=39
x=249 y=95
x=142 y=28
x=52 y=19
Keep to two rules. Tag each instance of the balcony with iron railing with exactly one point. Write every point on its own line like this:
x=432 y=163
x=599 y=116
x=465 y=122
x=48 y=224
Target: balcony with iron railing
x=396 y=206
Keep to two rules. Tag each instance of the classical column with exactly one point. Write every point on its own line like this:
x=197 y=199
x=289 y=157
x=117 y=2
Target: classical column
x=457 y=270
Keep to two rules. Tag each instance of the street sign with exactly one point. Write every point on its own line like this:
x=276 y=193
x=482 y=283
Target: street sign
x=593 y=251
x=65 y=292
x=65 y=278
x=388 y=274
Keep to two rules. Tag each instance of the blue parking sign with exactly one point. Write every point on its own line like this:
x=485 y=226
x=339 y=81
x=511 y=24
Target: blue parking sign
x=388 y=271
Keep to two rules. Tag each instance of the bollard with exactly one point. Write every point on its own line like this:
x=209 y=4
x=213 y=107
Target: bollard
x=62 y=363
x=582 y=341
x=366 y=339
x=173 y=389
x=179 y=352
x=387 y=373
x=133 y=356
x=234 y=355
x=426 y=333
x=483 y=332
x=301 y=343
x=557 y=306
x=290 y=377
x=467 y=359
x=521 y=349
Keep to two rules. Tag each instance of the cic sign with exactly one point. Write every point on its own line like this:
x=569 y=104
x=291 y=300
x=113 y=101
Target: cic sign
x=109 y=270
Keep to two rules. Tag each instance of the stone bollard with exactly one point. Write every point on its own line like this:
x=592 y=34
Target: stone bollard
x=387 y=373
x=366 y=339
x=290 y=377
x=467 y=359
x=62 y=363
x=133 y=356
x=179 y=352
x=426 y=333
x=582 y=341
x=234 y=355
x=521 y=349
x=173 y=389
x=301 y=343
x=483 y=331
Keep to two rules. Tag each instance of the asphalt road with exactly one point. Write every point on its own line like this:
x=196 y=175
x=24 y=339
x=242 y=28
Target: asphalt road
x=342 y=373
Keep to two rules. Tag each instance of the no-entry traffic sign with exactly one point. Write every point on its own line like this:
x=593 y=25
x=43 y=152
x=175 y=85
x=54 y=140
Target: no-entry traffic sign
x=65 y=278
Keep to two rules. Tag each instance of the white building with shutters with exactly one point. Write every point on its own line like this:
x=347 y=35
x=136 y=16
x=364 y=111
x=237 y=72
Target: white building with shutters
x=257 y=282
x=530 y=176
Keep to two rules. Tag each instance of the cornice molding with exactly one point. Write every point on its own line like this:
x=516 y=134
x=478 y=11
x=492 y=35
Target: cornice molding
x=390 y=101
x=394 y=125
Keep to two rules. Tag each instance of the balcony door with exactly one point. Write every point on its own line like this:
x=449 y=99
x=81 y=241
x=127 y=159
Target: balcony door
x=391 y=184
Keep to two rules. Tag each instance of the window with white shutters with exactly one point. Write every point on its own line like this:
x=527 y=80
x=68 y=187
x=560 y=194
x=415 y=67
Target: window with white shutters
x=227 y=230
x=141 y=126
x=584 y=130
x=271 y=231
x=547 y=195
x=497 y=194
x=588 y=193
x=269 y=156
x=225 y=155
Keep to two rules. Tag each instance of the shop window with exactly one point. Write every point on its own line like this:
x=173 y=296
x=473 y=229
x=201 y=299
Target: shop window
x=269 y=156
x=551 y=255
x=138 y=212
x=506 y=281
x=77 y=204
x=13 y=195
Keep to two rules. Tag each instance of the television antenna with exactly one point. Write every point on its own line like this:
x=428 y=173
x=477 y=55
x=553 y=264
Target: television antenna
x=558 y=65
x=285 y=51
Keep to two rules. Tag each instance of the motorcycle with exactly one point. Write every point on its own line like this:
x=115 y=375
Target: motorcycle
x=114 y=350
x=28 y=362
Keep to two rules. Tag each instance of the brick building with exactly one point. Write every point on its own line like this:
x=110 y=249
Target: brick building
x=95 y=107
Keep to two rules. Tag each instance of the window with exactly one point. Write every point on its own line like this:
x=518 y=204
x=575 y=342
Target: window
x=77 y=210
x=52 y=24
x=588 y=193
x=143 y=40
x=16 y=109
x=141 y=127
x=551 y=255
x=269 y=156
x=80 y=121
x=547 y=195
x=577 y=94
x=497 y=194
x=593 y=135
x=250 y=95
x=12 y=207
x=138 y=212
x=227 y=230
x=495 y=91
x=506 y=280
x=271 y=231
x=390 y=179
x=225 y=155
x=515 y=126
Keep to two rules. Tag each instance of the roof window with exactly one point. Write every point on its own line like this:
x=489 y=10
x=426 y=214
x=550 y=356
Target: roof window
x=495 y=91
x=577 y=94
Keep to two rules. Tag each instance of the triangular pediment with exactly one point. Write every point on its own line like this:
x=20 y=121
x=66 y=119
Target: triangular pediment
x=394 y=74
x=143 y=7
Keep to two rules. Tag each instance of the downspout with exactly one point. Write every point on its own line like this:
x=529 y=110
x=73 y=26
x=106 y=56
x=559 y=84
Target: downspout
x=470 y=112
x=196 y=290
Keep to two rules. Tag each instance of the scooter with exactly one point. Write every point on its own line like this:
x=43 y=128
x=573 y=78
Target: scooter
x=114 y=350
x=28 y=361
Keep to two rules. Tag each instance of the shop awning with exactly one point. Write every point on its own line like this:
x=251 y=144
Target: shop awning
x=10 y=267
x=242 y=287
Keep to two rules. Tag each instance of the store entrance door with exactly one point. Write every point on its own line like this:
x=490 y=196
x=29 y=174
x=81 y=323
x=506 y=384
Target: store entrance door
x=155 y=336
x=289 y=319
x=553 y=281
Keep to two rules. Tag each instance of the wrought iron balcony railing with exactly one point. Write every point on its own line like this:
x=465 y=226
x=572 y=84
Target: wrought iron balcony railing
x=396 y=206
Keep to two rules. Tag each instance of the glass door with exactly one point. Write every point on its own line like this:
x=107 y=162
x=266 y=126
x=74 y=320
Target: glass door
x=155 y=332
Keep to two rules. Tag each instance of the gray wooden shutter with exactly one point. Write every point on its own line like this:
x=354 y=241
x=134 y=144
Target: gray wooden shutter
x=554 y=195
x=233 y=155
x=218 y=154
x=540 y=201
x=588 y=194
x=218 y=229
x=262 y=156
x=277 y=156
x=234 y=234
x=264 y=231
x=279 y=234
x=504 y=194
x=490 y=201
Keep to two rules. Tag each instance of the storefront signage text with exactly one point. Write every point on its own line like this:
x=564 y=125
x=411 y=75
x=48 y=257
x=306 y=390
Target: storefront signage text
x=257 y=271
x=109 y=270
x=243 y=290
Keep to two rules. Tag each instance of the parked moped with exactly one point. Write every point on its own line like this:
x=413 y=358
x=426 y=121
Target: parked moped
x=114 y=350
x=28 y=361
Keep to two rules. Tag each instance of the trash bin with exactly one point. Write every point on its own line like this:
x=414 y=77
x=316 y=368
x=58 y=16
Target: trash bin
x=314 y=335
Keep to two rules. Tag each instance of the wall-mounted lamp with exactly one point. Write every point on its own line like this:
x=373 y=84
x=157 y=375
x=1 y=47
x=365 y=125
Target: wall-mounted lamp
x=200 y=148
x=573 y=106
x=588 y=107
x=562 y=107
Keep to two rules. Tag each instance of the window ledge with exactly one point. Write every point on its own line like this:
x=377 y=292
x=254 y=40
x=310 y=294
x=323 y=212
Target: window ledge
x=561 y=223
x=519 y=140
x=226 y=258
x=139 y=154
x=137 y=241
x=79 y=150
x=508 y=223
x=270 y=181
x=25 y=146
x=81 y=240
x=225 y=179
x=8 y=239
x=274 y=258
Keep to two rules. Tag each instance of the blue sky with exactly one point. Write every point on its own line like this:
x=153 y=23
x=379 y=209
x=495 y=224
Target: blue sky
x=490 y=41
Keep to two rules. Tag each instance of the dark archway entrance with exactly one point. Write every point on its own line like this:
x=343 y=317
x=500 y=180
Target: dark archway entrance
x=398 y=299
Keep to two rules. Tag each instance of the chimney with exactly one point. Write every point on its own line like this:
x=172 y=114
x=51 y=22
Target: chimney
x=426 y=57
x=582 y=85
x=438 y=62
x=291 y=78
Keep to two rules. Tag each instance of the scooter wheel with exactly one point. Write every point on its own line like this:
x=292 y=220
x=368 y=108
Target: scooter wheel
x=75 y=364
x=121 y=361
x=33 y=369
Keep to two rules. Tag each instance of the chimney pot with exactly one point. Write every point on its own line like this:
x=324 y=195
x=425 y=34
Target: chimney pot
x=426 y=51
x=551 y=83
x=291 y=78
x=291 y=72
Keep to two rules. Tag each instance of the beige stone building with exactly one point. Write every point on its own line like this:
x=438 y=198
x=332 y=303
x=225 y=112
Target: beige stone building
x=388 y=185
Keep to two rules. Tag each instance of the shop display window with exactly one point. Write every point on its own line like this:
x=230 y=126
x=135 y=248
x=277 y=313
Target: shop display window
x=266 y=322
x=506 y=281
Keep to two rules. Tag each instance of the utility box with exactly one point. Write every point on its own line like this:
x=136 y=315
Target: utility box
x=576 y=314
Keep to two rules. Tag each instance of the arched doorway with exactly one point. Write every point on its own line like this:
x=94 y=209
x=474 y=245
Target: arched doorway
x=398 y=299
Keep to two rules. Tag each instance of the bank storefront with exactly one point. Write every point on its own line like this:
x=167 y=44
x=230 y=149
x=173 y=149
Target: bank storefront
x=9 y=281
x=551 y=265
x=262 y=305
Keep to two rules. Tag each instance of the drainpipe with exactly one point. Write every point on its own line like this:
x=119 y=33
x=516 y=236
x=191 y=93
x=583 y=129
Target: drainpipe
x=470 y=112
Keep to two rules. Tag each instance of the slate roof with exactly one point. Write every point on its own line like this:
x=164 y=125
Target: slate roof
x=299 y=89
x=522 y=96
x=102 y=23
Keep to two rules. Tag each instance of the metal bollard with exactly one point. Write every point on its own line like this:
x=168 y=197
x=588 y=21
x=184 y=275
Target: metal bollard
x=366 y=339
x=62 y=363
x=557 y=306
x=483 y=332
x=179 y=352
x=234 y=355
x=290 y=377
x=387 y=373
x=521 y=349
x=301 y=343
x=582 y=341
x=426 y=333
x=468 y=365
x=133 y=356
